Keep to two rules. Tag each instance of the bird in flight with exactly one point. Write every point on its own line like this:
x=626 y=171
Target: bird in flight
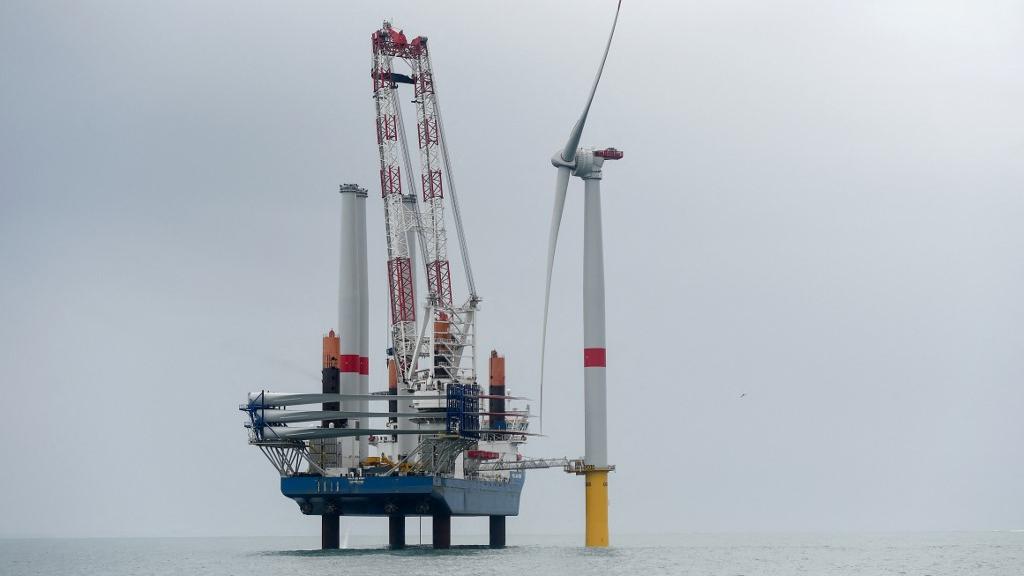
x=742 y=395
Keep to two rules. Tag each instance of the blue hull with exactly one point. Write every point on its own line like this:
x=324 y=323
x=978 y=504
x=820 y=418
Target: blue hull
x=404 y=495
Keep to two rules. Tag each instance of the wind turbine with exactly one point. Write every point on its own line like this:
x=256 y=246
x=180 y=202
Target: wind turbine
x=586 y=164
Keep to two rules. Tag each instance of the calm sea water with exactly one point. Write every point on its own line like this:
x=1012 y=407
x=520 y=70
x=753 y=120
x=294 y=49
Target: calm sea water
x=935 y=554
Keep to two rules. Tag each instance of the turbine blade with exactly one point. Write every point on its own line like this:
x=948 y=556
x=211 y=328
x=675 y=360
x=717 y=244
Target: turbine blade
x=561 y=184
x=569 y=152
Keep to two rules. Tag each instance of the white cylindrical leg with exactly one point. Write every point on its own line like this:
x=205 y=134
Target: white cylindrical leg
x=364 y=320
x=348 y=312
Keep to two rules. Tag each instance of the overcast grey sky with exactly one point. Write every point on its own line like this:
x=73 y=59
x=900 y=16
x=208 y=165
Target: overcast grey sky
x=820 y=206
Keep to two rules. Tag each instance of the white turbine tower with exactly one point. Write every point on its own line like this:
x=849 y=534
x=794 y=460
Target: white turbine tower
x=586 y=163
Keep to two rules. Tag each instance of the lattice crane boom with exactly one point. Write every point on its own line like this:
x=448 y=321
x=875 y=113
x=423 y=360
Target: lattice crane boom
x=398 y=217
x=451 y=343
x=439 y=279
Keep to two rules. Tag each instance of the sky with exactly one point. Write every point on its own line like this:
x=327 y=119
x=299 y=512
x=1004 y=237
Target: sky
x=813 y=252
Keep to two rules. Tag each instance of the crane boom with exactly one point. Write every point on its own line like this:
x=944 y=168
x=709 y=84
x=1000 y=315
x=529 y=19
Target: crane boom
x=450 y=344
x=398 y=217
x=453 y=197
x=439 y=279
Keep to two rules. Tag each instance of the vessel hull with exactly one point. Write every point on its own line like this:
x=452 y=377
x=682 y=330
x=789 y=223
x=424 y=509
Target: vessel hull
x=404 y=495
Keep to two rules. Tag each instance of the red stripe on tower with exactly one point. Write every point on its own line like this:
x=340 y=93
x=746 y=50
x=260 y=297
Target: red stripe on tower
x=594 y=357
x=364 y=365
x=348 y=363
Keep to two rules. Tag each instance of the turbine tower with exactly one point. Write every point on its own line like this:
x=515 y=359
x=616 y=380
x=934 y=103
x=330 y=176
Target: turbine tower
x=586 y=164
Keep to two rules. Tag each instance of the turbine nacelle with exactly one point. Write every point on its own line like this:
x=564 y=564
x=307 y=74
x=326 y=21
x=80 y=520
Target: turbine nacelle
x=587 y=162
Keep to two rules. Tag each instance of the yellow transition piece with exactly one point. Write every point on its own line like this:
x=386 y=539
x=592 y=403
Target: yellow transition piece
x=597 y=508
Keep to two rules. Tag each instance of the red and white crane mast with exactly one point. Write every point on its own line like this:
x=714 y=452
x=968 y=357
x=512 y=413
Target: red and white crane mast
x=398 y=217
x=439 y=280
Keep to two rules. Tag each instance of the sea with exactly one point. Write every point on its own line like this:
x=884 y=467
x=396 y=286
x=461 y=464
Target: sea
x=926 y=554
